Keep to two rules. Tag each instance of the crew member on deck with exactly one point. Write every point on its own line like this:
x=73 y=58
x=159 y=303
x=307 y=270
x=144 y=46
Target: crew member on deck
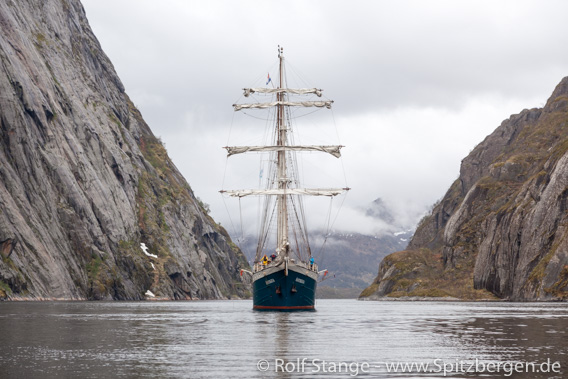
x=265 y=260
x=312 y=262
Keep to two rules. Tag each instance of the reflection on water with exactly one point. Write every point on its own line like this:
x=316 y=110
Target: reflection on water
x=216 y=339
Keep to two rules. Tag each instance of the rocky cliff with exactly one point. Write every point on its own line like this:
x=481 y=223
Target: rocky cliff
x=501 y=229
x=84 y=182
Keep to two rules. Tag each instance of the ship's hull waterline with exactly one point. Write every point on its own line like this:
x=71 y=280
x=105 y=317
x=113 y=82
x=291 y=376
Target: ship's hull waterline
x=273 y=290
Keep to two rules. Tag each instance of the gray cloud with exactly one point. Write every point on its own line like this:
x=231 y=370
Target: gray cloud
x=416 y=84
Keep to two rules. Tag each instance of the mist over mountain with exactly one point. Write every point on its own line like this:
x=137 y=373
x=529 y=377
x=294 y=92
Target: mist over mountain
x=379 y=210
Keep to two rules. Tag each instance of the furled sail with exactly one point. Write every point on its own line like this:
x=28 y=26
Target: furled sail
x=299 y=91
x=333 y=150
x=318 y=104
x=288 y=191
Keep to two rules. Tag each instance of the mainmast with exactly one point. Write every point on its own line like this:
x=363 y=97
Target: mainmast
x=282 y=223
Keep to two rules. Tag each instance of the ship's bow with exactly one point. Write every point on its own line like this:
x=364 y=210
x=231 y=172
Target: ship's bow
x=281 y=288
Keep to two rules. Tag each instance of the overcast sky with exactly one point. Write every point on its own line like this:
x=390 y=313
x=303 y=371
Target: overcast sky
x=416 y=84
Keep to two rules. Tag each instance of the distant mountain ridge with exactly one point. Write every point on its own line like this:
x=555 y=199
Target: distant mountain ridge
x=351 y=258
x=84 y=182
x=501 y=229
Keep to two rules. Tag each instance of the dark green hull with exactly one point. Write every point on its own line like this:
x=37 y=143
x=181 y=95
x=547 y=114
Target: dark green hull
x=278 y=292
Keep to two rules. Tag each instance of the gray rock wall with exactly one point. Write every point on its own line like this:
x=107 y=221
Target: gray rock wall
x=516 y=185
x=83 y=181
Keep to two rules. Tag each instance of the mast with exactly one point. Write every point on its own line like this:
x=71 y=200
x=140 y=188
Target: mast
x=282 y=182
x=282 y=219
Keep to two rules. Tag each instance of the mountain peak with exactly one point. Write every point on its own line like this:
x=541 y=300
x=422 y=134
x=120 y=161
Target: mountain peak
x=558 y=101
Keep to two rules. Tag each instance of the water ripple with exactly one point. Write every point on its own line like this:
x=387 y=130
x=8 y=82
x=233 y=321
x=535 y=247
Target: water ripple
x=215 y=339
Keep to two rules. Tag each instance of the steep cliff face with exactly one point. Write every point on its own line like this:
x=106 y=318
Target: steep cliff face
x=501 y=229
x=83 y=181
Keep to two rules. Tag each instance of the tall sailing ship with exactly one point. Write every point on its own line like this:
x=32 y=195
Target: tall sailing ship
x=284 y=275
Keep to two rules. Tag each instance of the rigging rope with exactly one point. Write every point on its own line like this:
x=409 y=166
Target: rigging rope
x=241 y=216
x=339 y=142
x=328 y=228
x=258 y=118
x=230 y=219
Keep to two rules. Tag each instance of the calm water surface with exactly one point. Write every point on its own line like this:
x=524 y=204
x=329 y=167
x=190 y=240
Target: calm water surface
x=226 y=339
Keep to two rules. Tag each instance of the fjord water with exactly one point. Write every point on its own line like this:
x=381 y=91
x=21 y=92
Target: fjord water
x=227 y=339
